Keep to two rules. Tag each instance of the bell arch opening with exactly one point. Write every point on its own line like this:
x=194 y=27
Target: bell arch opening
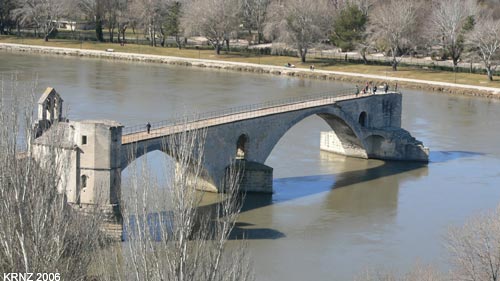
x=362 y=119
x=241 y=146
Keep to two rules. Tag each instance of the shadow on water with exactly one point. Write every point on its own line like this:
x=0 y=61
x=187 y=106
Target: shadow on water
x=445 y=156
x=292 y=188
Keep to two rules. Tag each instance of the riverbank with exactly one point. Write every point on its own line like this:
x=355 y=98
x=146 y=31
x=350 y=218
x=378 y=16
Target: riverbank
x=361 y=78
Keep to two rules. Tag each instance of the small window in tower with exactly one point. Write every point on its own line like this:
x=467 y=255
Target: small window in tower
x=84 y=181
x=84 y=140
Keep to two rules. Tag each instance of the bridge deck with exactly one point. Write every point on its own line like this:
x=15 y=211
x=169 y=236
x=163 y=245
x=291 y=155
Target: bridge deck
x=173 y=128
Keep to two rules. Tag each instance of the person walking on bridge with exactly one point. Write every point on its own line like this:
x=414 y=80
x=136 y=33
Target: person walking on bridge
x=148 y=127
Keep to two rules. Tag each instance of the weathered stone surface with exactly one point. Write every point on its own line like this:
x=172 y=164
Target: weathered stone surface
x=378 y=136
x=367 y=126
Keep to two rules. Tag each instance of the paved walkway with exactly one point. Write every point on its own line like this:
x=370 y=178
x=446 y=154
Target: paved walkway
x=237 y=116
x=223 y=64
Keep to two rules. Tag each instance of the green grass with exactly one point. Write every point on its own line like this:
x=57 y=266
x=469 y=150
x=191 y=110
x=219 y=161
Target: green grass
x=323 y=64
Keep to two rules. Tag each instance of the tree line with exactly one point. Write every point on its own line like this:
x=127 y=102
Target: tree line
x=452 y=29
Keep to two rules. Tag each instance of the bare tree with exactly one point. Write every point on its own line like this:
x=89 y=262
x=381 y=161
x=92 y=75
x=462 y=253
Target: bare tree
x=254 y=14
x=39 y=231
x=217 y=20
x=395 y=23
x=299 y=23
x=45 y=14
x=170 y=235
x=94 y=11
x=148 y=14
x=475 y=248
x=485 y=43
x=449 y=21
x=111 y=11
x=123 y=19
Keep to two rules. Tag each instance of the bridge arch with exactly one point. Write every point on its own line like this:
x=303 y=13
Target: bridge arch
x=134 y=151
x=348 y=131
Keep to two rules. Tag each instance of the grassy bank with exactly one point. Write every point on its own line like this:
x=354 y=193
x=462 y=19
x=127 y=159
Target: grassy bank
x=319 y=63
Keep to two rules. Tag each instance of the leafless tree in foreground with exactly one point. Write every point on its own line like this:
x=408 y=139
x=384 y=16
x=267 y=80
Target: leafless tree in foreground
x=485 y=43
x=395 y=23
x=169 y=234
x=39 y=231
x=475 y=248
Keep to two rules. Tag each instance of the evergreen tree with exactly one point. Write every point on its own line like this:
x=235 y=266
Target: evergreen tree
x=172 y=24
x=349 y=28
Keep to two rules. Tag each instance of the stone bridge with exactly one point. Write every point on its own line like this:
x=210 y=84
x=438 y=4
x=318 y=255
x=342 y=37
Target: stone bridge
x=366 y=126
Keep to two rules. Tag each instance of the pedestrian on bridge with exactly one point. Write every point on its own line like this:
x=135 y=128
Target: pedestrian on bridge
x=386 y=87
x=148 y=127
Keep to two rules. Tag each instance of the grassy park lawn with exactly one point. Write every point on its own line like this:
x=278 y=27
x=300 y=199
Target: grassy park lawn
x=323 y=64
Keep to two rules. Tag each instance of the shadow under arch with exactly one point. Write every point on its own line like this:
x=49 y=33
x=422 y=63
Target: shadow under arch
x=349 y=132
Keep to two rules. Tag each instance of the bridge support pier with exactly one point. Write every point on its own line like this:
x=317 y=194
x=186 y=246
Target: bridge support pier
x=254 y=176
x=386 y=144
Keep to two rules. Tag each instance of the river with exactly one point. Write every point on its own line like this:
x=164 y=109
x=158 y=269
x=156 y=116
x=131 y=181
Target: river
x=330 y=216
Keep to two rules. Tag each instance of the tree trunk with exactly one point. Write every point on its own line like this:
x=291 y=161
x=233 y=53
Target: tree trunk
x=303 y=54
x=365 y=61
x=490 y=73
x=394 y=61
x=111 y=34
x=123 y=35
x=455 y=64
x=178 y=41
x=227 y=45
x=362 y=52
x=98 y=31
x=150 y=33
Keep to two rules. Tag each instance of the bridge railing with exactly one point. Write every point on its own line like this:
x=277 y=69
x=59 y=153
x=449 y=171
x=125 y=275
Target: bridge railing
x=333 y=96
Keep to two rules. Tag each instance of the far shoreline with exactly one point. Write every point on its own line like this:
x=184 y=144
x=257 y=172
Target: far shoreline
x=450 y=88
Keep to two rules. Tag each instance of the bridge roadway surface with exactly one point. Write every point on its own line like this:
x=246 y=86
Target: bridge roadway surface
x=179 y=126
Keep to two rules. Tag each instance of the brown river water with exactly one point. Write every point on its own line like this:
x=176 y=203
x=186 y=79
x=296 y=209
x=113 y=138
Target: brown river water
x=330 y=216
